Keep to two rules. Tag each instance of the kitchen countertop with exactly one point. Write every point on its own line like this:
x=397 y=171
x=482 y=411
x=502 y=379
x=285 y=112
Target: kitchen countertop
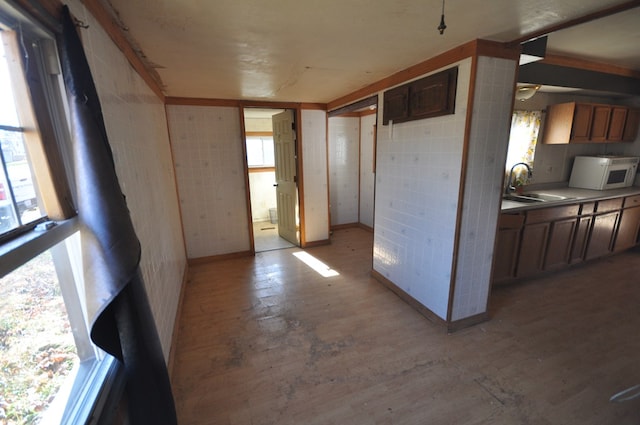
x=575 y=195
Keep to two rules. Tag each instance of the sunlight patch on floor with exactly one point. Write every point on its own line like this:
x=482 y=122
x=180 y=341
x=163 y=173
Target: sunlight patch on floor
x=317 y=265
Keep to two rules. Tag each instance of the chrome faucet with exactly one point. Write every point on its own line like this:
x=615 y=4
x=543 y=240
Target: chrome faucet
x=510 y=188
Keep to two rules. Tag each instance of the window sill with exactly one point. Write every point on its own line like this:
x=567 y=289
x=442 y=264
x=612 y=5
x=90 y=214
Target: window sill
x=14 y=252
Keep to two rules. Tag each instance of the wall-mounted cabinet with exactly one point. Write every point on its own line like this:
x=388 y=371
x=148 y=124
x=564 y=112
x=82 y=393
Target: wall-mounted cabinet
x=427 y=97
x=574 y=122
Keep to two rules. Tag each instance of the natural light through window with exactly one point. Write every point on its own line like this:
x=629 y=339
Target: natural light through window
x=321 y=268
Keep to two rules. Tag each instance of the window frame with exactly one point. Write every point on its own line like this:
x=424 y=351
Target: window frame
x=93 y=394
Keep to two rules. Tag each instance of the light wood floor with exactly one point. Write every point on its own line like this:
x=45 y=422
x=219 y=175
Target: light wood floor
x=267 y=340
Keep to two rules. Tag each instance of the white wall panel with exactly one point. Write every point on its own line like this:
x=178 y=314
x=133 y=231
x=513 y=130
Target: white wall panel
x=488 y=141
x=137 y=129
x=417 y=187
x=263 y=194
x=344 y=163
x=314 y=157
x=207 y=146
x=367 y=176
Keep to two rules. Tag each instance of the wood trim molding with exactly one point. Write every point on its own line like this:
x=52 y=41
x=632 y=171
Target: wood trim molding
x=258 y=133
x=247 y=183
x=470 y=49
x=451 y=326
x=195 y=101
x=365 y=227
x=302 y=236
x=463 y=180
x=457 y=325
x=46 y=12
x=404 y=296
x=353 y=225
x=569 y=62
x=221 y=257
x=198 y=101
x=317 y=243
x=117 y=36
x=261 y=169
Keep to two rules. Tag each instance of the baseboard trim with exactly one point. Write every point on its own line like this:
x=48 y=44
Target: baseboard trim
x=317 y=243
x=467 y=322
x=345 y=226
x=176 y=323
x=404 y=296
x=450 y=327
x=221 y=257
x=365 y=227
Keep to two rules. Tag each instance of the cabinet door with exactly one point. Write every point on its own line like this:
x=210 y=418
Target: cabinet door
x=631 y=125
x=396 y=105
x=601 y=239
x=616 y=124
x=581 y=238
x=432 y=96
x=581 y=129
x=600 y=123
x=627 y=236
x=504 y=264
x=532 y=249
x=560 y=242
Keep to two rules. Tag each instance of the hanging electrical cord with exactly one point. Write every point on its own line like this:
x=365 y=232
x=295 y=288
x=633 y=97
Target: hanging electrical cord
x=442 y=25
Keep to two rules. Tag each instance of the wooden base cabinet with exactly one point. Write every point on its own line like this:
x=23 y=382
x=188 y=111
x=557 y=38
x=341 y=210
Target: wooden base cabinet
x=603 y=229
x=551 y=238
x=561 y=239
x=507 y=245
x=532 y=249
x=629 y=226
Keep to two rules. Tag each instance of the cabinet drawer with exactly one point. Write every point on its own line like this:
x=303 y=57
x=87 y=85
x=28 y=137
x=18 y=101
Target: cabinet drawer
x=511 y=221
x=609 y=205
x=632 y=201
x=552 y=214
x=588 y=208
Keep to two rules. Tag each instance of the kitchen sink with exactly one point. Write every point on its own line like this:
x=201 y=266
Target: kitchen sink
x=533 y=197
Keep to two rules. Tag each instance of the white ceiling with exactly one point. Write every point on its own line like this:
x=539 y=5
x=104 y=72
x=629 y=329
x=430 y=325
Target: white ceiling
x=317 y=51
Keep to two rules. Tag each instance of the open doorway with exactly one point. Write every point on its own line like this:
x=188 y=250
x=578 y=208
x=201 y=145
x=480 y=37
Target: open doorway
x=271 y=167
x=352 y=162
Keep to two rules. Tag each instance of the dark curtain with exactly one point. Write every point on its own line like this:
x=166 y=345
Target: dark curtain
x=121 y=319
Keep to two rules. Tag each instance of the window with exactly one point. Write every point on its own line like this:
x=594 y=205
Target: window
x=260 y=151
x=18 y=199
x=522 y=141
x=50 y=372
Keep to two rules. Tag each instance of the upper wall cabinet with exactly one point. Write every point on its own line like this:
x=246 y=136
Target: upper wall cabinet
x=427 y=97
x=590 y=123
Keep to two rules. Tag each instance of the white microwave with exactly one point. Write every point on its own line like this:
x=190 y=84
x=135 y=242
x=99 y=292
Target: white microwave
x=603 y=172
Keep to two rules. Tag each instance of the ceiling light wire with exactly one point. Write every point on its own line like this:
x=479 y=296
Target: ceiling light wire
x=442 y=25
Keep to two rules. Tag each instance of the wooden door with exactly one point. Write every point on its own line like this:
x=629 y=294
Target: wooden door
x=532 y=249
x=600 y=123
x=560 y=242
x=284 y=141
x=581 y=129
x=616 y=125
x=627 y=236
x=631 y=125
x=602 y=233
